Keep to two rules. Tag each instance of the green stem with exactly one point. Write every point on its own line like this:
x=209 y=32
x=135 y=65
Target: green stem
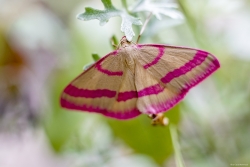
x=144 y=26
x=191 y=21
x=178 y=156
x=125 y=5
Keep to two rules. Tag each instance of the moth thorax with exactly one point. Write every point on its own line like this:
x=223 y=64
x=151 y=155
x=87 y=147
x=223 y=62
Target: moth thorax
x=130 y=63
x=129 y=60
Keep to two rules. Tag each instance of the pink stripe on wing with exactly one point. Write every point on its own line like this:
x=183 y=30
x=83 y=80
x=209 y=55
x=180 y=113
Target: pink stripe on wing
x=98 y=66
x=123 y=96
x=127 y=114
x=199 y=57
x=155 y=89
x=157 y=58
x=161 y=107
x=210 y=69
x=78 y=92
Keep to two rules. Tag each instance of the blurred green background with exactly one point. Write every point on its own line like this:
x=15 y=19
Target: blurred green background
x=43 y=47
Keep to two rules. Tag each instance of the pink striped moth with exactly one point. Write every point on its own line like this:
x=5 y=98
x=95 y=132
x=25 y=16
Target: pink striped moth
x=138 y=79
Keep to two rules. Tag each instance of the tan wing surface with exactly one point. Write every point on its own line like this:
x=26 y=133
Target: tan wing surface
x=170 y=72
x=104 y=88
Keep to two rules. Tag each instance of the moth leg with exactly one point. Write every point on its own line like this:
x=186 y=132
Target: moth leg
x=114 y=43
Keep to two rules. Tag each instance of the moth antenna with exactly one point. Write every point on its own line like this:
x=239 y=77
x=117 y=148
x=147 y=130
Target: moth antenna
x=144 y=26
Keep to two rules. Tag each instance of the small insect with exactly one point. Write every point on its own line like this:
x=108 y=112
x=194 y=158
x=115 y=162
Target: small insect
x=158 y=119
x=139 y=79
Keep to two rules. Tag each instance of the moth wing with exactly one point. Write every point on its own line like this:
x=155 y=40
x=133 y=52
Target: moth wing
x=169 y=72
x=102 y=88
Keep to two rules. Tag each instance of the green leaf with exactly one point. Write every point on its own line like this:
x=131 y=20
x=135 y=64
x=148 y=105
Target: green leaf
x=60 y=124
x=110 y=11
x=95 y=56
x=102 y=15
x=144 y=138
x=126 y=27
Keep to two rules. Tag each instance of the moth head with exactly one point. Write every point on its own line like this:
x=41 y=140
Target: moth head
x=124 y=42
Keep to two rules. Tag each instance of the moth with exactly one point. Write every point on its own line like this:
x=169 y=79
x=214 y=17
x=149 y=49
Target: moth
x=138 y=79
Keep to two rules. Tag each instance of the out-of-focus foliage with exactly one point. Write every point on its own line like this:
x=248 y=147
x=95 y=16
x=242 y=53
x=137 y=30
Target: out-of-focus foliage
x=43 y=47
x=144 y=138
x=158 y=8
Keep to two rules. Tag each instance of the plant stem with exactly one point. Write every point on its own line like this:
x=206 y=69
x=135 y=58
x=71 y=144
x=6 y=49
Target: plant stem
x=144 y=26
x=125 y=5
x=177 y=150
x=191 y=22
